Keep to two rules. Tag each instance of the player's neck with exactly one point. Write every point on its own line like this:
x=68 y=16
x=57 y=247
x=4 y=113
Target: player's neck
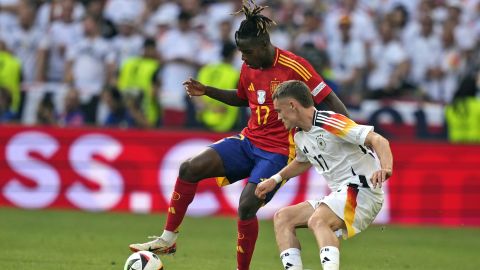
x=271 y=57
x=306 y=119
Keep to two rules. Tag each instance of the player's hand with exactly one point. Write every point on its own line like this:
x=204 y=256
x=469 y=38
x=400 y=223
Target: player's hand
x=380 y=176
x=194 y=87
x=264 y=187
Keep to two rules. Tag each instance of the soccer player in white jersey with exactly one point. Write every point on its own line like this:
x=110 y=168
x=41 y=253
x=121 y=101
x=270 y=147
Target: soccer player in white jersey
x=353 y=159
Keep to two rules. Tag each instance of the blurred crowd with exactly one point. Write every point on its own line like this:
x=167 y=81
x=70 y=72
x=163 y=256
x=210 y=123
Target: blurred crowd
x=121 y=63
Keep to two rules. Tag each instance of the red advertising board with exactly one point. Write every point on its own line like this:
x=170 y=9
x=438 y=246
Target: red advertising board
x=120 y=170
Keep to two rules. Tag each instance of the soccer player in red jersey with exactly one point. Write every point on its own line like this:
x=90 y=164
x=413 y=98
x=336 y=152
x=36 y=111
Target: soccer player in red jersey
x=260 y=150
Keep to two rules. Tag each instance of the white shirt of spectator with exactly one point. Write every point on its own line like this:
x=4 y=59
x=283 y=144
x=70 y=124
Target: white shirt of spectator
x=386 y=58
x=8 y=21
x=165 y=14
x=44 y=14
x=177 y=44
x=452 y=63
x=362 y=25
x=337 y=158
x=346 y=57
x=116 y=10
x=89 y=58
x=59 y=34
x=421 y=51
x=126 y=47
x=24 y=44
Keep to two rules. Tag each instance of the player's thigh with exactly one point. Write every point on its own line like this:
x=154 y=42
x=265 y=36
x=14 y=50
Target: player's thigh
x=325 y=215
x=206 y=164
x=295 y=216
x=265 y=167
x=236 y=156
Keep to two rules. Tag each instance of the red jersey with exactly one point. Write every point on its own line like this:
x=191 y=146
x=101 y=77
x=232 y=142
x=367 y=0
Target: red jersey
x=264 y=129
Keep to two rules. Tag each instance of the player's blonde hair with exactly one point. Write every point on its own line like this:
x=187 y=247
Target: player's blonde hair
x=295 y=89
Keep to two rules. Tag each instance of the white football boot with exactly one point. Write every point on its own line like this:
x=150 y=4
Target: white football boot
x=157 y=246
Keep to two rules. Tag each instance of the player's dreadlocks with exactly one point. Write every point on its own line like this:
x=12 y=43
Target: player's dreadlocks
x=255 y=25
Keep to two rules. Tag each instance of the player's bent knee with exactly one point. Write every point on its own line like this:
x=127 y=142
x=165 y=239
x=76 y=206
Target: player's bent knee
x=183 y=171
x=315 y=222
x=190 y=171
x=247 y=210
x=281 y=218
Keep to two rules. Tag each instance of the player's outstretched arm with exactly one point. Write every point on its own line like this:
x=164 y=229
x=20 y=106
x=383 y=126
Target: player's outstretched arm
x=293 y=169
x=384 y=153
x=335 y=104
x=196 y=88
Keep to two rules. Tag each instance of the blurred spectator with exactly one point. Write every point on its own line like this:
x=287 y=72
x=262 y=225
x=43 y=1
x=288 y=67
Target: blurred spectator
x=61 y=35
x=146 y=21
x=179 y=49
x=6 y=113
x=116 y=10
x=10 y=75
x=463 y=114
x=8 y=9
x=215 y=115
x=400 y=19
x=46 y=111
x=420 y=49
x=448 y=67
x=72 y=115
x=122 y=114
x=24 y=41
x=161 y=19
x=311 y=33
x=387 y=63
x=88 y=69
x=348 y=61
x=140 y=77
x=56 y=10
x=95 y=9
x=128 y=43
x=362 y=23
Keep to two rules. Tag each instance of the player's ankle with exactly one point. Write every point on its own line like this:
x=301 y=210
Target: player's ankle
x=169 y=237
x=330 y=258
x=291 y=259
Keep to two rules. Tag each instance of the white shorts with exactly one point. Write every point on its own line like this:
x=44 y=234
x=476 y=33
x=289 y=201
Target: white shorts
x=357 y=207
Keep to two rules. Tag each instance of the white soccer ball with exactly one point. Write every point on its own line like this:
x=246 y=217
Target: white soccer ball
x=143 y=260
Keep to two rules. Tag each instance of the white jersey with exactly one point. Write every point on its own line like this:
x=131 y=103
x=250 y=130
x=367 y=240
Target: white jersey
x=335 y=147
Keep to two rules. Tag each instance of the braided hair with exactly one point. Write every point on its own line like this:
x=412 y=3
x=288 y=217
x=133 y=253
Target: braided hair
x=255 y=24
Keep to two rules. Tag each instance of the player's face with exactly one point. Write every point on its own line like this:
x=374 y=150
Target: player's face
x=286 y=112
x=253 y=53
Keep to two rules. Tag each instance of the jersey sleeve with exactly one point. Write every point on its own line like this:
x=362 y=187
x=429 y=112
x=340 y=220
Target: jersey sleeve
x=343 y=127
x=299 y=155
x=314 y=81
x=241 y=86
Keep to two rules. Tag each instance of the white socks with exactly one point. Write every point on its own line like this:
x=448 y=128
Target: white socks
x=330 y=258
x=169 y=237
x=291 y=259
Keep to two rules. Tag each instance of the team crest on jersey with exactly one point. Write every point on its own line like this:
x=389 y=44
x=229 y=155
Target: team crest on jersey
x=261 y=96
x=273 y=86
x=321 y=143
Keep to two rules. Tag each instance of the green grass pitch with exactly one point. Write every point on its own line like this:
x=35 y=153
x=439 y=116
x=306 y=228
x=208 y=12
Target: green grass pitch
x=52 y=239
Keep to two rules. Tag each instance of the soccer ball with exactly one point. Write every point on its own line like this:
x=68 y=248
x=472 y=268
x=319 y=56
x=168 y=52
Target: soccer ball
x=143 y=260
